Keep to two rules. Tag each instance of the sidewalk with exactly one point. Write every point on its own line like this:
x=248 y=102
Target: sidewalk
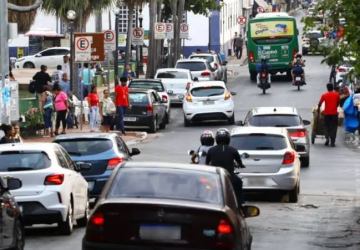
x=234 y=64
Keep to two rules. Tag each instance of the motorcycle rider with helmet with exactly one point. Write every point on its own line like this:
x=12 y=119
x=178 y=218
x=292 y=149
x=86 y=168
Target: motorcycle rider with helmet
x=207 y=140
x=297 y=68
x=223 y=155
x=261 y=67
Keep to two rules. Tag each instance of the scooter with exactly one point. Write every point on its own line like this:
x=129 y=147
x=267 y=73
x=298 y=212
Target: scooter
x=299 y=79
x=264 y=81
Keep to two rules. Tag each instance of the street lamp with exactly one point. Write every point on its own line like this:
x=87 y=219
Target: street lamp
x=116 y=56
x=140 y=64
x=71 y=16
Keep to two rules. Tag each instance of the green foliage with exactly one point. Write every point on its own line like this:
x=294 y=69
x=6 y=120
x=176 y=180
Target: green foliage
x=201 y=7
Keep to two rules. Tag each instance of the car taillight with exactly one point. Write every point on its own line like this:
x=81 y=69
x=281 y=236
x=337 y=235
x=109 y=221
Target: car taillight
x=251 y=56
x=114 y=162
x=149 y=109
x=97 y=219
x=340 y=69
x=165 y=98
x=205 y=73
x=224 y=227
x=227 y=95
x=188 y=98
x=298 y=133
x=289 y=158
x=54 y=179
x=225 y=239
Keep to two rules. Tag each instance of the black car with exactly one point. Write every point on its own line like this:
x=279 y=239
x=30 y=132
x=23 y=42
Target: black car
x=147 y=110
x=149 y=205
x=11 y=225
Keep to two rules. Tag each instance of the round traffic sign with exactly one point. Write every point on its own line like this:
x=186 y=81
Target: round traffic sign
x=137 y=32
x=82 y=43
x=241 y=20
x=109 y=36
x=184 y=27
x=260 y=9
x=160 y=27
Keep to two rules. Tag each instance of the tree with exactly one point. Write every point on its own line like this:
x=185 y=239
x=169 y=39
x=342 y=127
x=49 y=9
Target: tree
x=25 y=19
x=349 y=43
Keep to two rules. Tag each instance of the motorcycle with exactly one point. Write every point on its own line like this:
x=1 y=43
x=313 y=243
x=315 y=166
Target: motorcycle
x=264 y=81
x=299 y=79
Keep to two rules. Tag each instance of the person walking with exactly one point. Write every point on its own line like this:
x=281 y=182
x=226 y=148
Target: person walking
x=42 y=79
x=238 y=43
x=47 y=109
x=121 y=102
x=66 y=65
x=107 y=111
x=57 y=74
x=93 y=101
x=128 y=73
x=65 y=83
x=61 y=107
x=331 y=100
x=86 y=76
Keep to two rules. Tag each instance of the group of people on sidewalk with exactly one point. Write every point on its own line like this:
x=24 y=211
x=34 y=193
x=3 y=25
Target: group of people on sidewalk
x=11 y=133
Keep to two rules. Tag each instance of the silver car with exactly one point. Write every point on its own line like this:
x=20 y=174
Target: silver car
x=270 y=159
x=199 y=68
x=286 y=117
x=215 y=62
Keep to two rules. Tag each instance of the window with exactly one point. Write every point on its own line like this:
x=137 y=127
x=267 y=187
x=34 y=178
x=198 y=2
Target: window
x=231 y=198
x=153 y=98
x=138 y=98
x=86 y=146
x=173 y=75
x=18 y=160
x=275 y=120
x=121 y=145
x=62 y=52
x=258 y=141
x=147 y=85
x=207 y=58
x=192 y=66
x=62 y=161
x=207 y=91
x=49 y=52
x=70 y=163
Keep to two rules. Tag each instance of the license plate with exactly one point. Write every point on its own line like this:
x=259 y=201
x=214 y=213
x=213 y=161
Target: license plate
x=298 y=78
x=130 y=119
x=208 y=102
x=160 y=232
x=91 y=185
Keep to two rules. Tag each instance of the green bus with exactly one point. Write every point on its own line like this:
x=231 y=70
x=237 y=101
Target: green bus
x=275 y=37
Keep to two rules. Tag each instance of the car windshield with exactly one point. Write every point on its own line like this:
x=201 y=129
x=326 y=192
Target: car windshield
x=23 y=160
x=138 y=98
x=275 y=120
x=86 y=146
x=192 y=66
x=167 y=184
x=207 y=91
x=147 y=85
x=258 y=142
x=210 y=59
x=173 y=75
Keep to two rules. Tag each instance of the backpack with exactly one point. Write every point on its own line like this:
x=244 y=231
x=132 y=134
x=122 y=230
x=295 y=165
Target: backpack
x=32 y=87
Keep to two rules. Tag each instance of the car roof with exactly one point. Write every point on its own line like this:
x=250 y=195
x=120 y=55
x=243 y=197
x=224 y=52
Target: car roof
x=172 y=69
x=192 y=60
x=202 y=54
x=208 y=83
x=145 y=80
x=271 y=14
x=85 y=136
x=67 y=48
x=31 y=146
x=274 y=110
x=168 y=165
x=259 y=130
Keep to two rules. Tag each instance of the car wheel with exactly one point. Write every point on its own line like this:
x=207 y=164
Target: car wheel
x=232 y=119
x=313 y=138
x=253 y=76
x=187 y=123
x=304 y=51
x=28 y=65
x=83 y=221
x=66 y=227
x=167 y=118
x=153 y=125
x=305 y=161
x=163 y=123
x=288 y=75
x=19 y=236
x=225 y=77
x=294 y=194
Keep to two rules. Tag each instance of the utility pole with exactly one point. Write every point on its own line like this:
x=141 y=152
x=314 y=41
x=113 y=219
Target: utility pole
x=150 y=72
x=128 y=53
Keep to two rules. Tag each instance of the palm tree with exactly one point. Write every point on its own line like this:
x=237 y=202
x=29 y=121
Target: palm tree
x=23 y=19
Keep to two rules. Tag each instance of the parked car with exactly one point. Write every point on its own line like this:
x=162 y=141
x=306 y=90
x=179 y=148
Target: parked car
x=208 y=100
x=199 y=68
x=50 y=57
x=175 y=81
x=286 y=117
x=156 y=85
x=11 y=223
x=102 y=151
x=271 y=162
x=52 y=189
x=172 y=206
x=314 y=41
x=147 y=110
x=215 y=62
x=342 y=70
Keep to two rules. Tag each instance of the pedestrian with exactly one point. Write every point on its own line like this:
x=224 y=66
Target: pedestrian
x=128 y=73
x=86 y=77
x=42 y=79
x=66 y=65
x=331 y=99
x=121 y=102
x=65 y=83
x=93 y=101
x=107 y=111
x=57 y=74
x=61 y=107
x=16 y=132
x=238 y=43
x=47 y=110
x=11 y=76
x=8 y=132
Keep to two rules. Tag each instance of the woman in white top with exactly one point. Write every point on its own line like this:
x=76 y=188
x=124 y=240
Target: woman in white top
x=107 y=111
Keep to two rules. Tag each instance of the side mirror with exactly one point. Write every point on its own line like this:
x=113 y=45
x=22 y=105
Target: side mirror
x=83 y=166
x=196 y=79
x=135 y=151
x=240 y=123
x=245 y=155
x=306 y=122
x=224 y=63
x=250 y=211
x=191 y=152
x=38 y=55
x=13 y=183
x=233 y=93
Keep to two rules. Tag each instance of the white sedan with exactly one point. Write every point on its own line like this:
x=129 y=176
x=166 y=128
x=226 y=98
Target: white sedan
x=208 y=100
x=53 y=190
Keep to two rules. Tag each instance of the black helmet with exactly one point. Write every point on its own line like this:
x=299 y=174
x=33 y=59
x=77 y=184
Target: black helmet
x=222 y=136
x=207 y=138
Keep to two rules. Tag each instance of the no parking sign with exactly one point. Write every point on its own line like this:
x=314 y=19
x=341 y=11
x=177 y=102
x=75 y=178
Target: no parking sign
x=83 y=48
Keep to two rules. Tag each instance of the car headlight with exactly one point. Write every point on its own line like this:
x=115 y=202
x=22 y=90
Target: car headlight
x=20 y=59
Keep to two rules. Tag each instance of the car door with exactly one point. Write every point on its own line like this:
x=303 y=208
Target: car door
x=161 y=107
x=7 y=219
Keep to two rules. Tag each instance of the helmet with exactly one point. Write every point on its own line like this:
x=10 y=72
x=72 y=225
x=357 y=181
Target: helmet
x=298 y=55
x=222 y=136
x=207 y=138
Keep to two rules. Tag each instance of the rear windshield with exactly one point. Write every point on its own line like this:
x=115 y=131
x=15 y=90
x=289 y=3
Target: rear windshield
x=173 y=75
x=86 y=146
x=275 y=121
x=207 y=58
x=207 y=91
x=147 y=85
x=192 y=66
x=138 y=98
x=279 y=40
x=258 y=142
x=23 y=160
x=167 y=184
x=313 y=35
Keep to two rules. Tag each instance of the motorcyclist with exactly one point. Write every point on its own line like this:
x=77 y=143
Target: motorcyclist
x=207 y=140
x=297 y=67
x=261 y=67
x=223 y=155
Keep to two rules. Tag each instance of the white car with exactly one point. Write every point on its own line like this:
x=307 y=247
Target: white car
x=50 y=57
x=53 y=190
x=270 y=159
x=208 y=100
x=175 y=81
x=344 y=68
x=200 y=68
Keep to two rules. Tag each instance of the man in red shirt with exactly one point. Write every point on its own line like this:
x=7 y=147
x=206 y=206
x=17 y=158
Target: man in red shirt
x=121 y=102
x=332 y=101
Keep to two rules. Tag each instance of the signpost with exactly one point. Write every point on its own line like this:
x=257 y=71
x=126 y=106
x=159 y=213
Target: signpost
x=241 y=20
x=160 y=31
x=83 y=48
x=137 y=36
x=184 y=31
x=96 y=45
x=109 y=40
